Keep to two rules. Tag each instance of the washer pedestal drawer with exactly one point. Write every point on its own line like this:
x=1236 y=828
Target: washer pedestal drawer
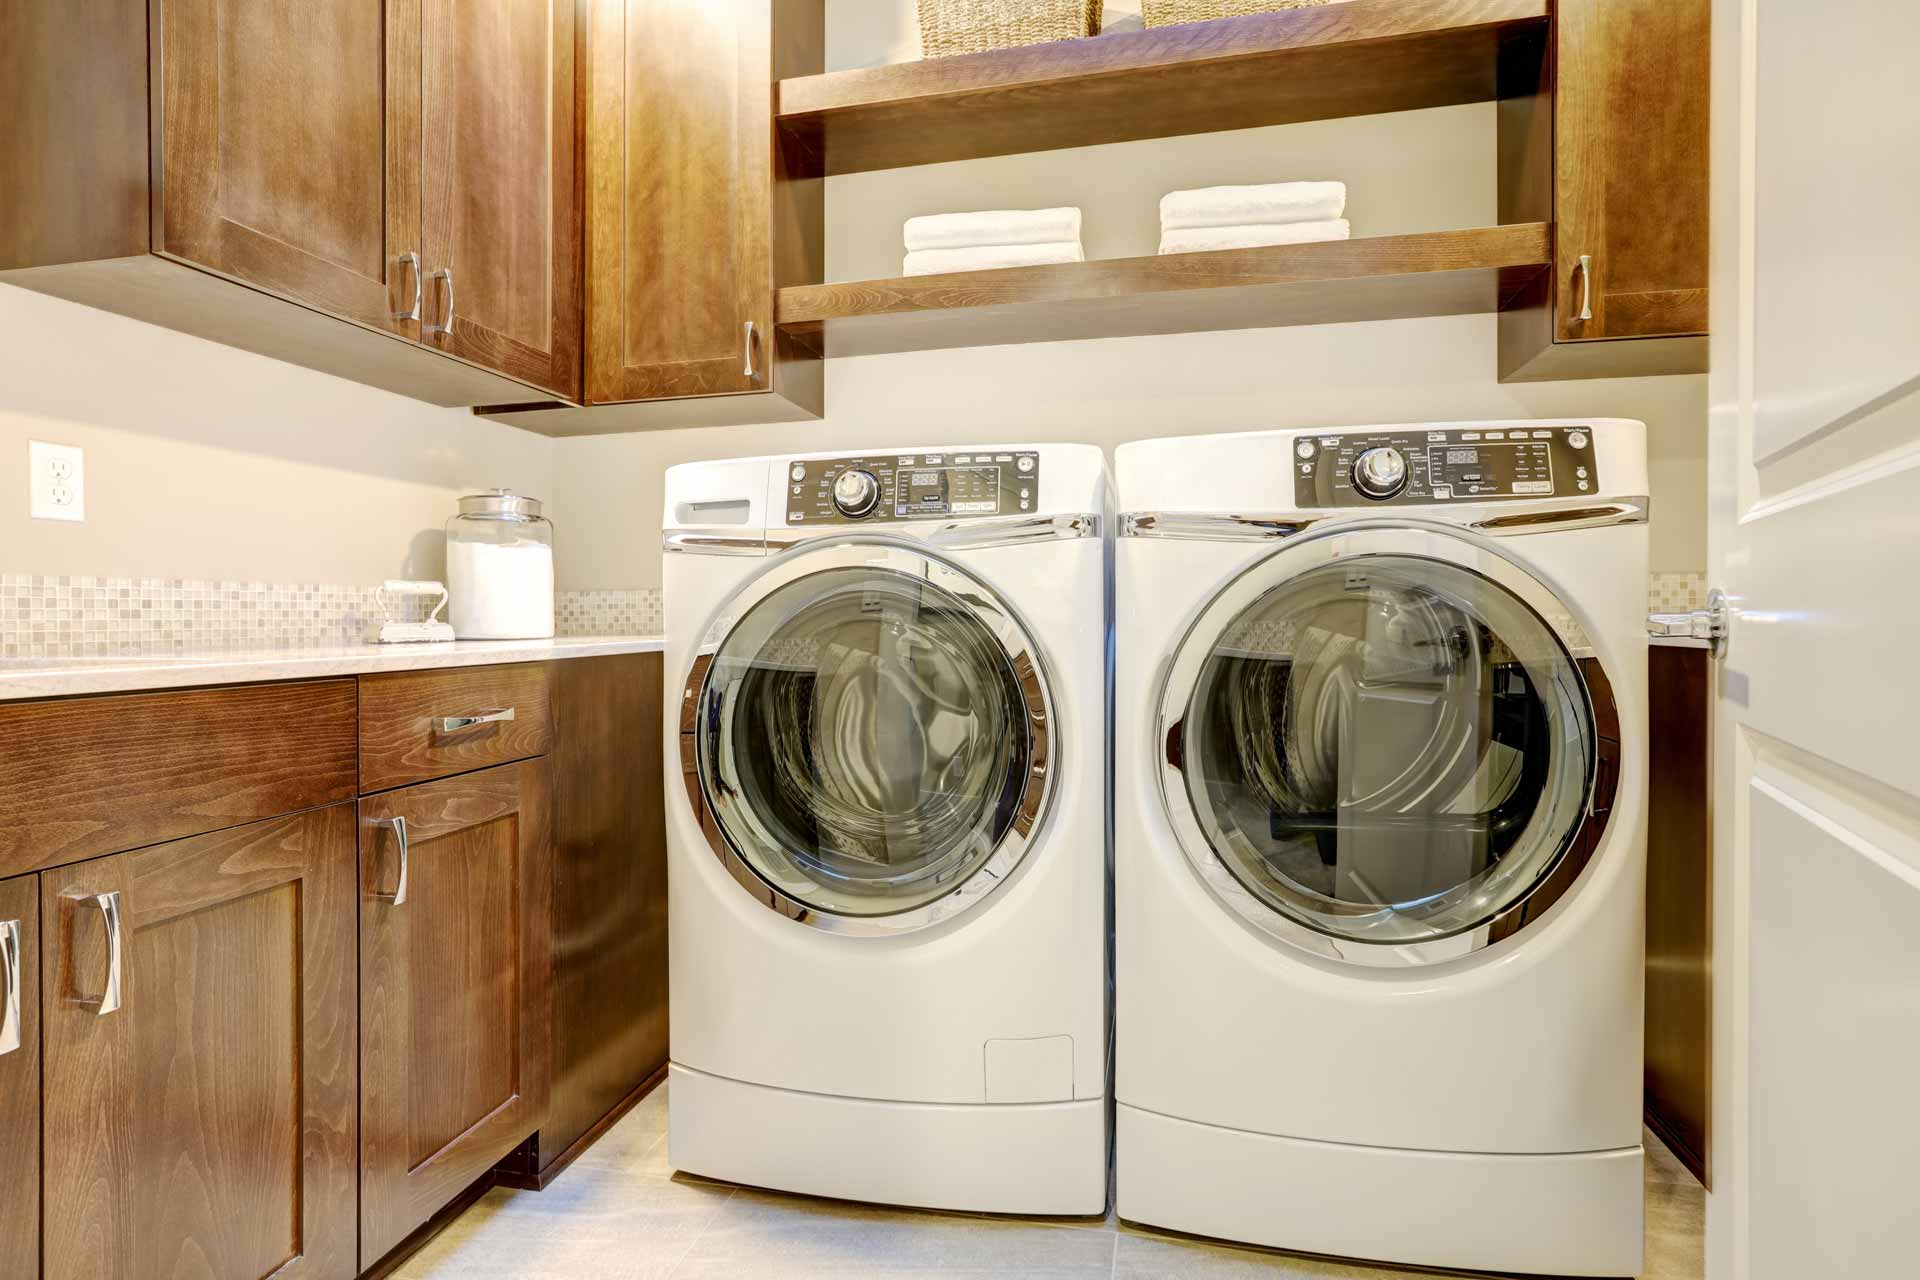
x=1573 y=1214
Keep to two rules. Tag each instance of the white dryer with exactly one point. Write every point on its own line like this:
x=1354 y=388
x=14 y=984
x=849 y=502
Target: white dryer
x=887 y=837
x=1380 y=841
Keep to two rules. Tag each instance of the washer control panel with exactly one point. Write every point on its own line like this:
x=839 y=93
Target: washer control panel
x=877 y=488
x=1452 y=464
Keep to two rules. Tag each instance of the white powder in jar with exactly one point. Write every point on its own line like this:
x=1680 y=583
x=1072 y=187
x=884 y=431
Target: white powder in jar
x=500 y=591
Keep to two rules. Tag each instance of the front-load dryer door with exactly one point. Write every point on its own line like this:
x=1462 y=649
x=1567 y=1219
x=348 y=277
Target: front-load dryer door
x=867 y=737
x=1378 y=745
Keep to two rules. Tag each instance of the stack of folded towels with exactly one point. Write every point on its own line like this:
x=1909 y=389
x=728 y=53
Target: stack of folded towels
x=996 y=238
x=1248 y=217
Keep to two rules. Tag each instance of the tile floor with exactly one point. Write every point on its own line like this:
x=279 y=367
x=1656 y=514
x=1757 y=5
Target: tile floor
x=621 y=1213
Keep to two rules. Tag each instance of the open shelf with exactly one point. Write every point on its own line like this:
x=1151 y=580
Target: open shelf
x=1432 y=273
x=1353 y=58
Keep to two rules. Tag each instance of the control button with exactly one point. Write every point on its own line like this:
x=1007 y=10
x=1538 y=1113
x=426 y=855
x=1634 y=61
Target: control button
x=855 y=493
x=796 y=490
x=1468 y=436
x=1028 y=493
x=1580 y=472
x=799 y=471
x=1584 y=485
x=1576 y=439
x=1380 y=473
x=1305 y=448
x=1543 y=435
x=1496 y=435
x=1472 y=477
x=1025 y=464
x=1306 y=468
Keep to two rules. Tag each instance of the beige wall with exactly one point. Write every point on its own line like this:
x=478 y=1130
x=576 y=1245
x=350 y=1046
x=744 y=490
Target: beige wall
x=207 y=462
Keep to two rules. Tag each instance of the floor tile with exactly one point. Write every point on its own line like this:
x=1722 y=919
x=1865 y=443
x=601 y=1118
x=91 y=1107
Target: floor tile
x=1141 y=1255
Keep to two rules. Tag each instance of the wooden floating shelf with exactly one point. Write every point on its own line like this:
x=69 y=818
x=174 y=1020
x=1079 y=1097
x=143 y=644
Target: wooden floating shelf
x=1433 y=273
x=1349 y=59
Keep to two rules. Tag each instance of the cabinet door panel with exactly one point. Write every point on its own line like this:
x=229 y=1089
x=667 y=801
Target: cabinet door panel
x=500 y=202
x=277 y=164
x=679 y=157
x=207 y=1126
x=20 y=1079
x=454 y=989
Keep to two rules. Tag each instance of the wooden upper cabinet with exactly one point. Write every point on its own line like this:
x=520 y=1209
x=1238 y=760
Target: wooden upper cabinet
x=199 y=1086
x=285 y=156
x=687 y=238
x=455 y=977
x=20 y=1078
x=501 y=230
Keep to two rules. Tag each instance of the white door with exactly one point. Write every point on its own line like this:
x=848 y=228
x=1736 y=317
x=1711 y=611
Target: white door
x=1815 y=535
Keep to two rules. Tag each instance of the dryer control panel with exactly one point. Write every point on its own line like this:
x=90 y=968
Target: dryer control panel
x=879 y=488
x=1452 y=464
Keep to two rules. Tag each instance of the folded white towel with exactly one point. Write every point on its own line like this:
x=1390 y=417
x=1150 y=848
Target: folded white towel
x=1206 y=239
x=933 y=262
x=1249 y=206
x=992 y=227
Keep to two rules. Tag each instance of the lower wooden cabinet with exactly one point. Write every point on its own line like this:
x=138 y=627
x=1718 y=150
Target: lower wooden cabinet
x=455 y=972
x=20 y=1078
x=199 y=1071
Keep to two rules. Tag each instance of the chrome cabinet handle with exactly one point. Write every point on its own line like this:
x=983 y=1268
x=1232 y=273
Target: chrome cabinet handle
x=398 y=897
x=446 y=314
x=10 y=996
x=749 y=348
x=1586 y=287
x=454 y=724
x=108 y=1000
x=413 y=312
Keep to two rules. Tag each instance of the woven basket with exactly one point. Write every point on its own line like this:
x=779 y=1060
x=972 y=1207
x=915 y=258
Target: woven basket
x=1167 y=13
x=948 y=27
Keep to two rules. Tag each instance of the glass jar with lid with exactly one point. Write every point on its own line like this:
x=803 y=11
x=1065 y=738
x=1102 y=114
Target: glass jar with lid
x=500 y=568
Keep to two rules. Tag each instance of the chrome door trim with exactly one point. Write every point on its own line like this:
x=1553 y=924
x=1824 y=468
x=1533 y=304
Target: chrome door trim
x=699 y=715
x=952 y=535
x=1509 y=519
x=1179 y=672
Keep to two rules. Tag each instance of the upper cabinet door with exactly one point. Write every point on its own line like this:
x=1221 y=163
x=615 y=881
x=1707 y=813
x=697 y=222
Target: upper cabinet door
x=679 y=158
x=289 y=154
x=1630 y=139
x=501 y=218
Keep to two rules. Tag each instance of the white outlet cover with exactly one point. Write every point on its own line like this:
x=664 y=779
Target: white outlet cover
x=57 y=481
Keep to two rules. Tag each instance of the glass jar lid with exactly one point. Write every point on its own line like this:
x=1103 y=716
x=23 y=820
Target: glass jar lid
x=500 y=504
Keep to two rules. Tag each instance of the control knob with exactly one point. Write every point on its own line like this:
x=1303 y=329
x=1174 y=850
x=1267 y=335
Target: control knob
x=855 y=493
x=1380 y=473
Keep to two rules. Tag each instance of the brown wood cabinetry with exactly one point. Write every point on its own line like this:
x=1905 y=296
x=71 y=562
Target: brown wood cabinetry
x=289 y=180
x=455 y=967
x=199 y=1087
x=412 y=722
x=1607 y=138
x=20 y=1078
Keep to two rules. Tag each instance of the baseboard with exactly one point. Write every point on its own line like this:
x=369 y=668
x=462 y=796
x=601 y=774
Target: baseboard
x=525 y=1180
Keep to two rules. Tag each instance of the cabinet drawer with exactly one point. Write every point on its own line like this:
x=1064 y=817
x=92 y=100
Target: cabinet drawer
x=91 y=776
x=413 y=724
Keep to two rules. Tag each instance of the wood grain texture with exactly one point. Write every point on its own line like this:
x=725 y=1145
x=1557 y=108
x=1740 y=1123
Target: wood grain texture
x=399 y=745
x=1680 y=906
x=456 y=991
x=208 y=1127
x=1431 y=273
x=1348 y=59
x=610 y=891
x=20 y=1096
x=499 y=196
x=95 y=775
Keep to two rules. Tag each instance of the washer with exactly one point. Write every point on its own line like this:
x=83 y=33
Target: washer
x=1380 y=841
x=888 y=860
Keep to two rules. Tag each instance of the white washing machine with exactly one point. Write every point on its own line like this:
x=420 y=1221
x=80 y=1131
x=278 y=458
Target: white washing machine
x=1380 y=753
x=888 y=863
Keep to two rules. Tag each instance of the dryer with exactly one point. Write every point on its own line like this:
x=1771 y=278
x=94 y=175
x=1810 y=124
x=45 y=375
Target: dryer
x=1380 y=841
x=887 y=825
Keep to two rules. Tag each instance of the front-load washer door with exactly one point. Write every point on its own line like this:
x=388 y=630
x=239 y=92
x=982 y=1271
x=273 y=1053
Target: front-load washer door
x=868 y=739
x=1377 y=746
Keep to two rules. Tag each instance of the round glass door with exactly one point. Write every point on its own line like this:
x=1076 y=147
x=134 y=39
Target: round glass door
x=871 y=741
x=1383 y=750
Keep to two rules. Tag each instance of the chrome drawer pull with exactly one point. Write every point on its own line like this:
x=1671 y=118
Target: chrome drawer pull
x=398 y=897
x=454 y=724
x=108 y=1001
x=10 y=997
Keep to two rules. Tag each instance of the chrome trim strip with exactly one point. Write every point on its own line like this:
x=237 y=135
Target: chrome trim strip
x=712 y=542
x=1008 y=531
x=1509 y=519
x=950 y=535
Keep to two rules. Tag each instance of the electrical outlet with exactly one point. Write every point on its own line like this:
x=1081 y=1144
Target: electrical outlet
x=57 y=478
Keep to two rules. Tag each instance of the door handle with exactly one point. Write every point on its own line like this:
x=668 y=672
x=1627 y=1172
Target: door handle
x=398 y=897
x=446 y=312
x=10 y=995
x=454 y=724
x=108 y=904
x=1711 y=624
x=411 y=313
x=1586 y=287
x=749 y=350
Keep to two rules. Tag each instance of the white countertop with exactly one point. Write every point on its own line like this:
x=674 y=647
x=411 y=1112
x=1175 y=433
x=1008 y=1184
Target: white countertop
x=22 y=678
x=1678 y=642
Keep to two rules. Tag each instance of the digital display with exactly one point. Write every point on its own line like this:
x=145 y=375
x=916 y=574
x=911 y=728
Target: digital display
x=1462 y=457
